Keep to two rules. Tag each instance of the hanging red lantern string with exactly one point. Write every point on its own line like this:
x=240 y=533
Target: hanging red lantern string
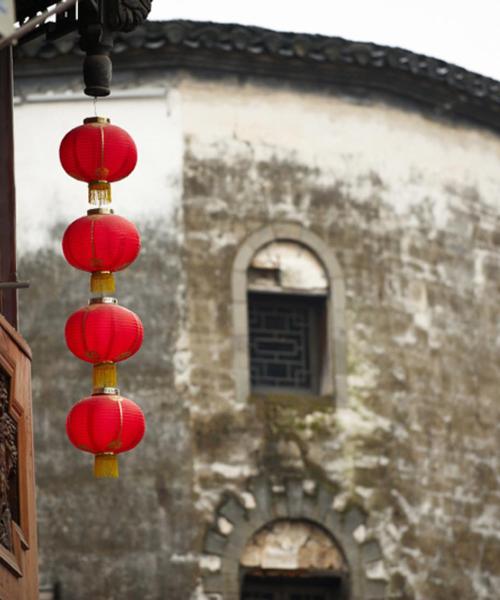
x=102 y=333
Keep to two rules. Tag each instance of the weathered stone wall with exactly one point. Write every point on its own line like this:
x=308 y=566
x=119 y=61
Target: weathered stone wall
x=408 y=205
x=410 y=208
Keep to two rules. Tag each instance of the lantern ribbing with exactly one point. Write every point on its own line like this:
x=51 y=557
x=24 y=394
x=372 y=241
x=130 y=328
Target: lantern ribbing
x=103 y=332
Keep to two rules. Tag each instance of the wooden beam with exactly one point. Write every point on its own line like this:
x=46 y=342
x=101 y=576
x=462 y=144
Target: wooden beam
x=36 y=21
x=8 y=297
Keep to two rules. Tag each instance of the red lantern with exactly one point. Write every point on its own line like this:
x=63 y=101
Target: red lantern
x=98 y=153
x=105 y=425
x=104 y=332
x=101 y=243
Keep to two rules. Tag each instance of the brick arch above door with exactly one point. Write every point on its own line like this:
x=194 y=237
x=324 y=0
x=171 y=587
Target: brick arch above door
x=266 y=502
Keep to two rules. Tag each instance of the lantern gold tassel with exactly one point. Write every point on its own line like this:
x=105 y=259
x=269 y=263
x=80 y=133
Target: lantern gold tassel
x=104 y=376
x=99 y=193
x=106 y=466
x=102 y=282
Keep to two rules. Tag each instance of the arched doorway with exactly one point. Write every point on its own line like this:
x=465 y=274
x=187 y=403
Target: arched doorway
x=235 y=526
x=293 y=560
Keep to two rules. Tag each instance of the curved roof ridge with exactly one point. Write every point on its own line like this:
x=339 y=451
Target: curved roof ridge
x=448 y=88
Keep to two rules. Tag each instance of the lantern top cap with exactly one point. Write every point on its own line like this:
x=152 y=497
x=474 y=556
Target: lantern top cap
x=106 y=391
x=103 y=120
x=102 y=210
x=103 y=300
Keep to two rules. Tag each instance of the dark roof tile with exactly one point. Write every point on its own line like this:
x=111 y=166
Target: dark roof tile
x=443 y=87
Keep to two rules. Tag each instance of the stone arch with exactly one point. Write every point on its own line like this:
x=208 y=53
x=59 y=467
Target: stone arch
x=295 y=550
x=294 y=500
x=336 y=384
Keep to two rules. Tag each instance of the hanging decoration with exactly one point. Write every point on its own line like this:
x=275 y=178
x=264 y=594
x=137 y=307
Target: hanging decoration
x=105 y=425
x=102 y=333
x=101 y=243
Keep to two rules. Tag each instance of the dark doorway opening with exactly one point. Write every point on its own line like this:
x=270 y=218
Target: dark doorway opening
x=292 y=588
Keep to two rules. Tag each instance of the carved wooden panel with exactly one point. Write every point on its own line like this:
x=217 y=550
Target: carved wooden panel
x=9 y=491
x=126 y=15
x=18 y=549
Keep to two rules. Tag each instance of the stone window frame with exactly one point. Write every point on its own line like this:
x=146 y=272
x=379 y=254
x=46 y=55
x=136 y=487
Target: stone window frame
x=334 y=380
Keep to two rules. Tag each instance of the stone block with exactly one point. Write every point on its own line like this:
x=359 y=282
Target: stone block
x=288 y=231
x=232 y=510
x=333 y=521
x=241 y=536
x=243 y=259
x=323 y=502
x=240 y=346
x=239 y=286
x=294 y=497
x=310 y=509
x=338 y=296
x=242 y=384
x=259 y=238
x=262 y=494
x=280 y=506
x=371 y=551
x=240 y=318
x=213 y=582
x=230 y=576
x=320 y=248
x=215 y=543
x=353 y=518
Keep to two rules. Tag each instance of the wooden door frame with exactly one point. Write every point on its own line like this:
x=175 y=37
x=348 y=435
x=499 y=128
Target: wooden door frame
x=270 y=578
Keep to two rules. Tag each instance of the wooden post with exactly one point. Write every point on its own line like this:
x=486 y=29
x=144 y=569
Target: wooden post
x=8 y=297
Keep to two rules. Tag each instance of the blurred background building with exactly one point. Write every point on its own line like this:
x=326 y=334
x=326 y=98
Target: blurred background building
x=319 y=289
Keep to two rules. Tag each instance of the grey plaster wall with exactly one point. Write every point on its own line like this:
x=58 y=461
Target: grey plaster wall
x=111 y=539
x=409 y=207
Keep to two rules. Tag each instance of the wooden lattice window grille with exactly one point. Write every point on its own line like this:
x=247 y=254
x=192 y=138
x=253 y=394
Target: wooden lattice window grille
x=286 y=342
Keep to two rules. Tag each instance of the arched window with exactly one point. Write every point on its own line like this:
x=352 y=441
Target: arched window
x=287 y=324
x=288 y=309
